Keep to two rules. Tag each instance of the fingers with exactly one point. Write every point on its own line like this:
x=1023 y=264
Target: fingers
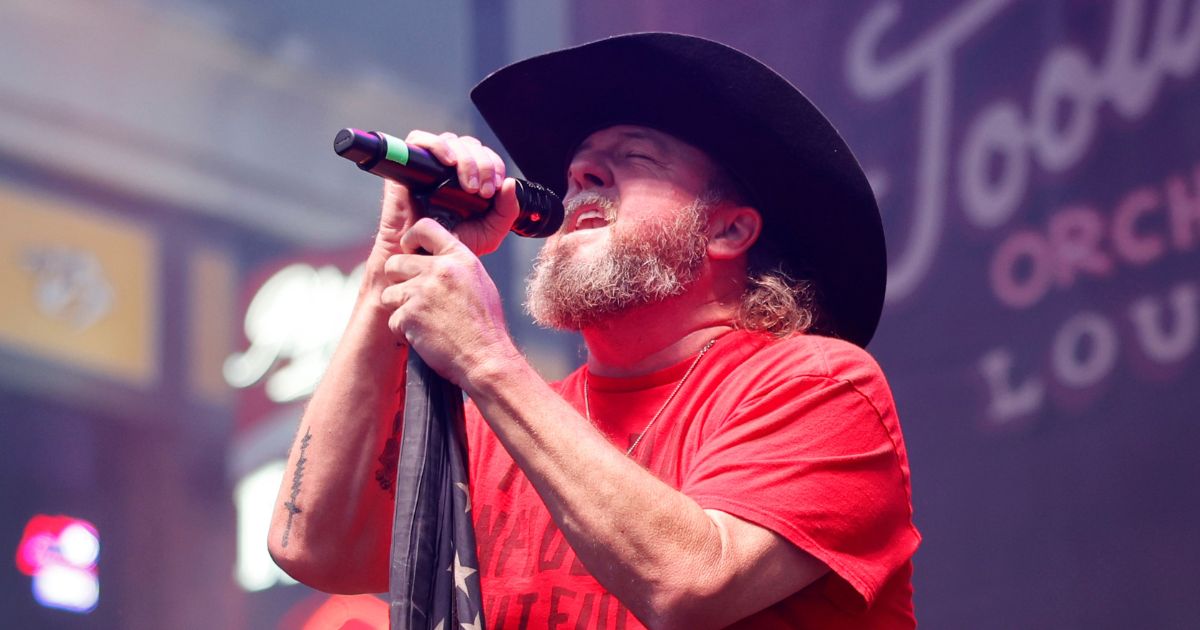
x=396 y=325
x=410 y=277
x=491 y=167
x=429 y=236
x=404 y=267
x=397 y=294
x=439 y=146
x=480 y=169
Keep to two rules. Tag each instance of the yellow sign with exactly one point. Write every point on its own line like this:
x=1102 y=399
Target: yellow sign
x=78 y=287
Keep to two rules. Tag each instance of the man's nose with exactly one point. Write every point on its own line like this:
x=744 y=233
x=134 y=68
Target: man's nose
x=588 y=172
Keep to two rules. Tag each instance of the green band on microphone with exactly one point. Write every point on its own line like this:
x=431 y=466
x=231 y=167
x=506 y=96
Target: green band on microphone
x=397 y=149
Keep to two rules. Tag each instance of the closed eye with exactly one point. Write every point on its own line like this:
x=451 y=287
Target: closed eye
x=641 y=156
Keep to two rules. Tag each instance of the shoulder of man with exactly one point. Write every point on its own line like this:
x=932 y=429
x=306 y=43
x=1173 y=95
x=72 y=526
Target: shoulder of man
x=810 y=355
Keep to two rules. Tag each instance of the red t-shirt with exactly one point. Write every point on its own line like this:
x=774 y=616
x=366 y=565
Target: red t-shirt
x=797 y=435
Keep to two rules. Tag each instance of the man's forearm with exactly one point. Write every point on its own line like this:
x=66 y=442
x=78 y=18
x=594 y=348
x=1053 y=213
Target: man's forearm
x=330 y=525
x=332 y=522
x=650 y=545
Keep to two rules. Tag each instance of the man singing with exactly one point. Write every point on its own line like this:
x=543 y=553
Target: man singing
x=728 y=454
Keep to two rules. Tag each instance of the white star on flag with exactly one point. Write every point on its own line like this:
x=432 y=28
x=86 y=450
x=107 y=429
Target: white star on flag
x=461 y=574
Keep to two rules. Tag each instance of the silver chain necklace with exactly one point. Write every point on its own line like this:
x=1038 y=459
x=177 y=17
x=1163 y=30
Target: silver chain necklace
x=587 y=405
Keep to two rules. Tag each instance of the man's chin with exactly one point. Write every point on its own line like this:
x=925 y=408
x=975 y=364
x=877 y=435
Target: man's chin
x=577 y=312
x=557 y=317
x=586 y=281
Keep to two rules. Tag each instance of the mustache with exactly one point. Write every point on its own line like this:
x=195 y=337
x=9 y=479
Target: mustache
x=590 y=198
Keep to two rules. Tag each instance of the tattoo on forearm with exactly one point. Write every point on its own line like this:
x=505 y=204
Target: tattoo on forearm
x=390 y=457
x=290 y=506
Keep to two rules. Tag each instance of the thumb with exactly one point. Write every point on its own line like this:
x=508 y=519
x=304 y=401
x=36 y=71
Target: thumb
x=505 y=209
x=484 y=235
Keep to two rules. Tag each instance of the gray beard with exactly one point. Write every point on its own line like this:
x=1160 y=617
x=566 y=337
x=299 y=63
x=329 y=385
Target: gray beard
x=642 y=265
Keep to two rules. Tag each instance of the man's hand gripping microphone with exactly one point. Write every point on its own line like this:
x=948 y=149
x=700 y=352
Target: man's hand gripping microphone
x=435 y=185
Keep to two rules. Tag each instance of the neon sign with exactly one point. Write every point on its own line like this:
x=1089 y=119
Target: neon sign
x=60 y=554
x=293 y=324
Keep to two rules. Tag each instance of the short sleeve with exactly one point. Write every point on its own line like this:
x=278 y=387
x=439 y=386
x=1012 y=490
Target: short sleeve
x=813 y=459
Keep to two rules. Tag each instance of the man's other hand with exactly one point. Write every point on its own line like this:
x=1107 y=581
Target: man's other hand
x=444 y=304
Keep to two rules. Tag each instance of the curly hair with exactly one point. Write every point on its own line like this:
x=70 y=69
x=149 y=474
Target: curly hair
x=775 y=300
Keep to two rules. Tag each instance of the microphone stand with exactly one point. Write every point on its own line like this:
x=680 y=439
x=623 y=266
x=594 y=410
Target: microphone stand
x=432 y=533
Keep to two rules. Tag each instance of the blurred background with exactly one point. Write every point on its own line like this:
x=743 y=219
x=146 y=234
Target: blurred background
x=178 y=245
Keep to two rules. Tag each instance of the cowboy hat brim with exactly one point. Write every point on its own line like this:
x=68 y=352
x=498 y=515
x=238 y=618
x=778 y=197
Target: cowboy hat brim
x=820 y=216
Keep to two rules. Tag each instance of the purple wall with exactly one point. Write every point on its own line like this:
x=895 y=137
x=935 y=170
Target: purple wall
x=1038 y=166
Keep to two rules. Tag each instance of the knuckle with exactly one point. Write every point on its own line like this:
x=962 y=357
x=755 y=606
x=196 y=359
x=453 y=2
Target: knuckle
x=464 y=170
x=485 y=159
x=444 y=270
x=496 y=159
x=412 y=311
x=426 y=225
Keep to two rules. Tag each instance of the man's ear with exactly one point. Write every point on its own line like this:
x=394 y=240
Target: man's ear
x=732 y=230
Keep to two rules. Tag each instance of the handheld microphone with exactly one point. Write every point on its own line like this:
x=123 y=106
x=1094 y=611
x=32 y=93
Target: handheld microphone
x=541 y=211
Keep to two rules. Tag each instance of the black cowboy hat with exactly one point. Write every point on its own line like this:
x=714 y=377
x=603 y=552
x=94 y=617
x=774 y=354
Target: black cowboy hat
x=820 y=216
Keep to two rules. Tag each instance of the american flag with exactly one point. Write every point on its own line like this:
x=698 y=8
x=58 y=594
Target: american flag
x=434 y=577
